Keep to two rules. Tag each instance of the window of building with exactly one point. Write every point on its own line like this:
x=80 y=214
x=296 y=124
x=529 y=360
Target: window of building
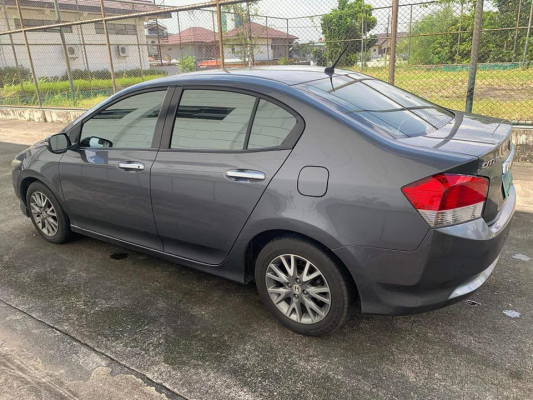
x=115 y=28
x=30 y=23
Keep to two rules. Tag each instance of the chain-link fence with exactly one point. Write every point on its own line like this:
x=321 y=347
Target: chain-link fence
x=65 y=53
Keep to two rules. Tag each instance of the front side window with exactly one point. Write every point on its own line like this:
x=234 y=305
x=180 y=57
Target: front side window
x=129 y=123
x=212 y=120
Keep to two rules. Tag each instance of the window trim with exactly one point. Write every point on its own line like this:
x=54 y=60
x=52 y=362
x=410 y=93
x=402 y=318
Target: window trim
x=156 y=140
x=288 y=143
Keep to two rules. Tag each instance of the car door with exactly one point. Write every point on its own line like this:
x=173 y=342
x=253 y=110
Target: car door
x=105 y=179
x=217 y=157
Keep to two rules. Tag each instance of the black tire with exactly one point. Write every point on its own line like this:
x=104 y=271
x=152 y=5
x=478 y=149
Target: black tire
x=340 y=296
x=63 y=233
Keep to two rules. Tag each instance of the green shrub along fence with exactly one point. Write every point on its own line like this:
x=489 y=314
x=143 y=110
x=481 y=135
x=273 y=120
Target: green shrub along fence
x=56 y=91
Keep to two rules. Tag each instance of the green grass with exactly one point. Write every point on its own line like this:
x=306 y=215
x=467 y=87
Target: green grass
x=499 y=93
x=58 y=94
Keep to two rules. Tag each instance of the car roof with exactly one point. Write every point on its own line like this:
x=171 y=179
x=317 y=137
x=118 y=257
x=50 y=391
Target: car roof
x=288 y=75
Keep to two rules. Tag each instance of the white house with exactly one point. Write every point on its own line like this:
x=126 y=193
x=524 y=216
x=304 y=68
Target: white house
x=197 y=42
x=86 y=44
x=267 y=43
x=155 y=32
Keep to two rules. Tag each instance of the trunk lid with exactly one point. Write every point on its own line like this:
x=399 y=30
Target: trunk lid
x=488 y=139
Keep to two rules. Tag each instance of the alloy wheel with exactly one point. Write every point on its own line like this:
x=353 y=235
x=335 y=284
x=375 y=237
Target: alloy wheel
x=44 y=214
x=298 y=289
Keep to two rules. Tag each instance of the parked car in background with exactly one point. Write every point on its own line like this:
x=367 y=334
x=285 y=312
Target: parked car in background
x=325 y=190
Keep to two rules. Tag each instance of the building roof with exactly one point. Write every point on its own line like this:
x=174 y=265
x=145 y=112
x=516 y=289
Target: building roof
x=260 y=31
x=126 y=7
x=194 y=34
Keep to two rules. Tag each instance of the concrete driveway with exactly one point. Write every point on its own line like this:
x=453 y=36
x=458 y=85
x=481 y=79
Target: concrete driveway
x=94 y=321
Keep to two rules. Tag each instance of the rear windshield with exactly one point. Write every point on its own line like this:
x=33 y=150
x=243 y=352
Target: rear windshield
x=383 y=107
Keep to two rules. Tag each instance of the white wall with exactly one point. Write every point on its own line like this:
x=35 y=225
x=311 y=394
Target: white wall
x=262 y=51
x=47 y=51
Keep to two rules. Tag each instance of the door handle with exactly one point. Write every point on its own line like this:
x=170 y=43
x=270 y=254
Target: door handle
x=245 y=175
x=131 y=166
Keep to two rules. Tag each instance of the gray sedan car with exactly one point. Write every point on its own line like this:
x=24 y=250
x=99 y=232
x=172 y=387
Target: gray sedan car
x=324 y=189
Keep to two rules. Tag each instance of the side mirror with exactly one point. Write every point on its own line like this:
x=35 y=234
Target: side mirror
x=99 y=142
x=96 y=142
x=58 y=143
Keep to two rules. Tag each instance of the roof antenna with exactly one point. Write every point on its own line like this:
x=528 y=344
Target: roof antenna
x=329 y=71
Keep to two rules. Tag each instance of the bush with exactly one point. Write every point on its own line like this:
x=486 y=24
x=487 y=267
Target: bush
x=283 y=61
x=84 y=74
x=187 y=64
x=9 y=75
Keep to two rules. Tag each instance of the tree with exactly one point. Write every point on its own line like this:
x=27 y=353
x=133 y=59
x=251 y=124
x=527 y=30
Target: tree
x=436 y=38
x=244 y=42
x=344 y=24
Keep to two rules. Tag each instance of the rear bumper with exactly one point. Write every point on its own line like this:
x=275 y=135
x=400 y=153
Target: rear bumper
x=450 y=264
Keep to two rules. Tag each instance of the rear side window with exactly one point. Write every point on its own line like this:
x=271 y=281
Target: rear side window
x=385 y=108
x=223 y=120
x=212 y=120
x=272 y=124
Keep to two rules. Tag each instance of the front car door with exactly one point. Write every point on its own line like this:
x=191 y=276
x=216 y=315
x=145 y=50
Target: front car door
x=217 y=157
x=106 y=178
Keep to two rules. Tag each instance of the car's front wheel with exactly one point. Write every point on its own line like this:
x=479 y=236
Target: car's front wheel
x=302 y=286
x=46 y=214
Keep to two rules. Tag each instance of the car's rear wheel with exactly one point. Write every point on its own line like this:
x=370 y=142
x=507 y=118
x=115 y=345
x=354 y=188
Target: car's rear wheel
x=302 y=286
x=46 y=214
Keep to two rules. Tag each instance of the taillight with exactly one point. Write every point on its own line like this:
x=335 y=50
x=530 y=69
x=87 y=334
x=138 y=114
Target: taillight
x=447 y=199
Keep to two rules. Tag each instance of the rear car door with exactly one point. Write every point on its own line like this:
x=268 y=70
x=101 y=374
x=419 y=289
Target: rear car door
x=106 y=179
x=220 y=149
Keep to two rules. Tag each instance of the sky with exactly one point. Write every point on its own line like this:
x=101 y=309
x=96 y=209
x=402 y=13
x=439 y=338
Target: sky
x=300 y=13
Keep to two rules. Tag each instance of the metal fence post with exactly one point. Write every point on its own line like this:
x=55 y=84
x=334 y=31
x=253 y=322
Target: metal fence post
x=159 y=43
x=82 y=36
x=478 y=19
x=139 y=51
x=34 y=75
x=516 y=30
x=213 y=50
x=108 y=43
x=15 y=58
x=410 y=33
x=251 y=50
x=268 y=44
x=394 y=34
x=362 y=31
x=287 y=49
x=179 y=37
x=220 y=35
x=459 y=34
x=65 y=52
x=527 y=34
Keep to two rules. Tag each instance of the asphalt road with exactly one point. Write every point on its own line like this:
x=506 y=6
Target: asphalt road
x=75 y=322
